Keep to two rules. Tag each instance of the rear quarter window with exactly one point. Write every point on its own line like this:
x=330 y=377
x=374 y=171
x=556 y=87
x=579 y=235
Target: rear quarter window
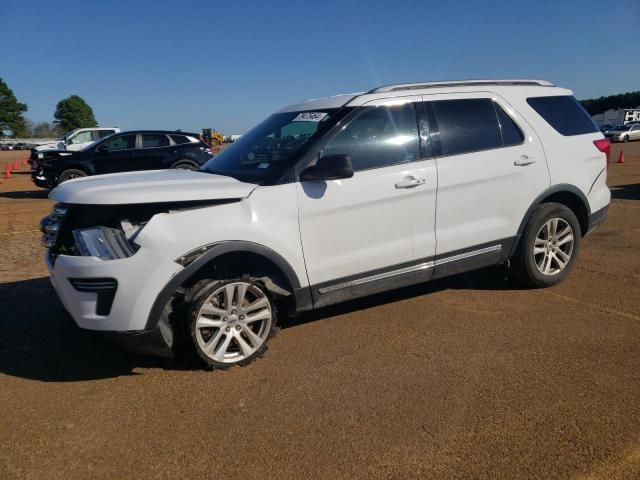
x=564 y=114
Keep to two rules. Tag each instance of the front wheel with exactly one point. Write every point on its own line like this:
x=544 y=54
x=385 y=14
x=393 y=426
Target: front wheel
x=70 y=175
x=625 y=139
x=230 y=321
x=549 y=246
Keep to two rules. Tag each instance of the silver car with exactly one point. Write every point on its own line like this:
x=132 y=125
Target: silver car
x=624 y=133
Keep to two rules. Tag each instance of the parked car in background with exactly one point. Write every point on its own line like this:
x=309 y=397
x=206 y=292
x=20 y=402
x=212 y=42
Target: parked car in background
x=605 y=128
x=326 y=201
x=6 y=146
x=122 y=152
x=74 y=140
x=624 y=133
x=78 y=139
x=21 y=146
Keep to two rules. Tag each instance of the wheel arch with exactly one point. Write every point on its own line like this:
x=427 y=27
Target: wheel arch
x=570 y=196
x=220 y=257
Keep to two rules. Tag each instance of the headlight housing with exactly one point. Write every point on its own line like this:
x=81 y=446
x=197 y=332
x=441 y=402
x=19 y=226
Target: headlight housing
x=50 y=225
x=102 y=242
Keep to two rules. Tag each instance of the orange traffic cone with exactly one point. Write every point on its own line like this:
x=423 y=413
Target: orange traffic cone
x=24 y=162
x=15 y=165
x=621 y=157
x=7 y=171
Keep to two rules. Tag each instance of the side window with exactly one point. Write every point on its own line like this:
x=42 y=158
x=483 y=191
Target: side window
x=179 y=139
x=379 y=137
x=82 y=137
x=123 y=142
x=151 y=140
x=105 y=133
x=511 y=133
x=467 y=125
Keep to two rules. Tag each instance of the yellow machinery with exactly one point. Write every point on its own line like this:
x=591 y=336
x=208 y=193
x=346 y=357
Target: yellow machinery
x=212 y=137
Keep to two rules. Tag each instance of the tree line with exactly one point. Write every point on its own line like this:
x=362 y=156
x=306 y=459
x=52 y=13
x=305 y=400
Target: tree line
x=71 y=112
x=602 y=104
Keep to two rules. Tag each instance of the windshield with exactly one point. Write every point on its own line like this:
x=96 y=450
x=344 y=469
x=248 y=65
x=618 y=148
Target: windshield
x=268 y=149
x=621 y=128
x=66 y=136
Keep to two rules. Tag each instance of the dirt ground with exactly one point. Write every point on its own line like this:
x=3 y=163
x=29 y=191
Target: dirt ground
x=468 y=377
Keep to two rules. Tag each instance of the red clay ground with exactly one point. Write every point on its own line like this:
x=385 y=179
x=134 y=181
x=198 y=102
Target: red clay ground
x=469 y=377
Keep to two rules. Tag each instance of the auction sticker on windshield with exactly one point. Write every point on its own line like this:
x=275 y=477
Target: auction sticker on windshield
x=310 y=117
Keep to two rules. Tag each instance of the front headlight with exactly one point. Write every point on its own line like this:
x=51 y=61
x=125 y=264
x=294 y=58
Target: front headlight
x=50 y=225
x=102 y=242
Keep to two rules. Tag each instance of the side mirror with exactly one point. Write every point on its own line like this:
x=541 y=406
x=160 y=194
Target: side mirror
x=331 y=167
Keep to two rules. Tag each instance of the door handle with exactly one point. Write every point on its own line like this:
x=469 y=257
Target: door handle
x=411 y=182
x=523 y=161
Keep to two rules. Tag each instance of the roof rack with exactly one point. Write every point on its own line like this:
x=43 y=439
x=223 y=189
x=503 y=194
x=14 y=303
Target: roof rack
x=460 y=83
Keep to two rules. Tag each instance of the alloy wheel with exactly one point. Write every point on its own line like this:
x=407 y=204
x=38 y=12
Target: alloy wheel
x=553 y=246
x=233 y=322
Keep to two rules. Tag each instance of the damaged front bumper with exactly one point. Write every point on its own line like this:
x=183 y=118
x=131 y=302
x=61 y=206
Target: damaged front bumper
x=114 y=297
x=39 y=178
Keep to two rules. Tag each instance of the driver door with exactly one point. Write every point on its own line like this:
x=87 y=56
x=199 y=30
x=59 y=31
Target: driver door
x=117 y=154
x=376 y=230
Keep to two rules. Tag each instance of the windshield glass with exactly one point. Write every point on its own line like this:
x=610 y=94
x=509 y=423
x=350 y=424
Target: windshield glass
x=66 y=136
x=621 y=128
x=268 y=149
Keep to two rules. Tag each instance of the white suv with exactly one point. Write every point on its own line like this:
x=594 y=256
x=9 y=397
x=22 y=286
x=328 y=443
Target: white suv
x=77 y=139
x=329 y=200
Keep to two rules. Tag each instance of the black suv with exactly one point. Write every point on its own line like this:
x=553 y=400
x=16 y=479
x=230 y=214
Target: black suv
x=122 y=152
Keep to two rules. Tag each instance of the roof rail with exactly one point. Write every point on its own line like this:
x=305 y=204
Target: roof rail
x=459 y=83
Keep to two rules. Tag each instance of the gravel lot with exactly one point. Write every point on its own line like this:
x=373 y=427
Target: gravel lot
x=468 y=377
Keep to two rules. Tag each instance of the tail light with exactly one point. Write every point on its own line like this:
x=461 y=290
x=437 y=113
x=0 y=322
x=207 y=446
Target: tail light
x=604 y=145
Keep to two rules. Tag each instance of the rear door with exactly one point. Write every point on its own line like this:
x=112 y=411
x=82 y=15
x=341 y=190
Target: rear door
x=117 y=154
x=491 y=167
x=378 y=226
x=153 y=150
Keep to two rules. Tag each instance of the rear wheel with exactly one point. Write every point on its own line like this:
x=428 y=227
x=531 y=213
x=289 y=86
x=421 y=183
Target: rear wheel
x=70 y=175
x=549 y=246
x=625 y=139
x=186 y=166
x=230 y=321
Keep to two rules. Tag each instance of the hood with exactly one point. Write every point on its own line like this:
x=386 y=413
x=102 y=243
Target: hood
x=59 y=145
x=156 y=186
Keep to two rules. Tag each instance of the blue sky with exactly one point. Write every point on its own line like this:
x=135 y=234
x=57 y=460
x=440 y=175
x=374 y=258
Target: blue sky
x=226 y=65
